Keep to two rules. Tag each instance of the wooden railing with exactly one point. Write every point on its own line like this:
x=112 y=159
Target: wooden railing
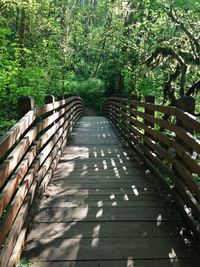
x=168 y=141
x=29 y=153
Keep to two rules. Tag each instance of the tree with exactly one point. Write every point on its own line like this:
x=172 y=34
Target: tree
x=126 y=47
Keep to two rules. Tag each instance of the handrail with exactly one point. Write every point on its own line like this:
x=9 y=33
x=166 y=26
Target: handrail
x=170 y=148
x=29 y=153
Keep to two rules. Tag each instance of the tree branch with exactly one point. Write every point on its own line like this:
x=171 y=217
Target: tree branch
x=163 y=52
x=195 y=44
x=5 y=4
x=194 y=88
x=167 y=88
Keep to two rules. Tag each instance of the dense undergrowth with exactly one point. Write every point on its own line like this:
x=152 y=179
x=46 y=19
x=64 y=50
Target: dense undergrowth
x=97 y=48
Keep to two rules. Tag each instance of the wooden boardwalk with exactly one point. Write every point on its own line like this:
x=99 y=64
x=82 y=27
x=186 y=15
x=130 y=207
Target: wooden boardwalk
x=103 y=208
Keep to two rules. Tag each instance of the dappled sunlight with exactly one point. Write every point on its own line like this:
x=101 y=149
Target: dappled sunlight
x=95 y=236
x=130 y=262
x=83 y=173
x=102 y=153
x=100 y=207
x=80 y=213
x=135 y=191
x=114 y=203
x=73 y=246
x=159 y=220
x=105 y=166
x=100 y=203
x=172 y=255
x=125 y=197
x=113 y=162
x=112 y=196
x=99 y=213
x=116 y=171
x=84 y=167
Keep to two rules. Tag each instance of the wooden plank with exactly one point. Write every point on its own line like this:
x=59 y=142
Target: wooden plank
x=101 y=203
x=188 y=218
x=10 y=188
x=67 y=104
x=105 y=230
x=156 y=214
x=129 y=262
x=9 y=139
x=92 y=151
x=188 y=179
x=191 y=121
x=51 y=197
x=102 y=164
x=115 y=172
x=186 y=137
x=16 y=228
x=161 y=137
x=95 y=185
x=17 y=154
x=102 y=191
x=78 y=158
x=14 y=207
x=191 y=164
x=79 y=248
x=187 y=196
x=18 y=224
x=153 y=107
x=16 y=253
x=105 y=225
x=147 y=180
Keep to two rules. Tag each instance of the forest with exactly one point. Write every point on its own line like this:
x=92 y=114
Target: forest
x=97 y=48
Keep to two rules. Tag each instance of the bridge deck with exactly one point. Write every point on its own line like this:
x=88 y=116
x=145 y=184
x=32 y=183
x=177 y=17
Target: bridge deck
x=103 y=208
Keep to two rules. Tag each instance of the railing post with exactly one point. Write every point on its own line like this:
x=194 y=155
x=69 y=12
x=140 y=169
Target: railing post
x=61 y=97
x=49 y=99
x=66 y=96
x=25 y=104
x=187 y=104
x=132 y=106
x=149 y=99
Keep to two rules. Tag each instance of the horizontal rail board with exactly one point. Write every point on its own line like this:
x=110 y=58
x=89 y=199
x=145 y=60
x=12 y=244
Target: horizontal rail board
x=171 y=148
x=30 y=153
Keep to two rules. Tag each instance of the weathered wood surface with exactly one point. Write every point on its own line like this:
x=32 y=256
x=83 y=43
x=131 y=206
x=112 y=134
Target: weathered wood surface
x=167 y=140
x=29 y=153
x=103 y=208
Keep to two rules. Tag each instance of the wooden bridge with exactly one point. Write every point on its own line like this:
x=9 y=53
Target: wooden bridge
x=117 y=190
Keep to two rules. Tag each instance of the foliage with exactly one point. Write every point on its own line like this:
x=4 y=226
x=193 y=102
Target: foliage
x=24 y=263
x=5 y=125
x=98 y=48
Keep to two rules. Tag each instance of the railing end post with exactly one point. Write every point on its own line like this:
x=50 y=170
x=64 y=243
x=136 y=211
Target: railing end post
x=25 y=104
x=134 y=97
x=187 y=104
x=150 y=99
x=60 y=97
x=49 y=99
